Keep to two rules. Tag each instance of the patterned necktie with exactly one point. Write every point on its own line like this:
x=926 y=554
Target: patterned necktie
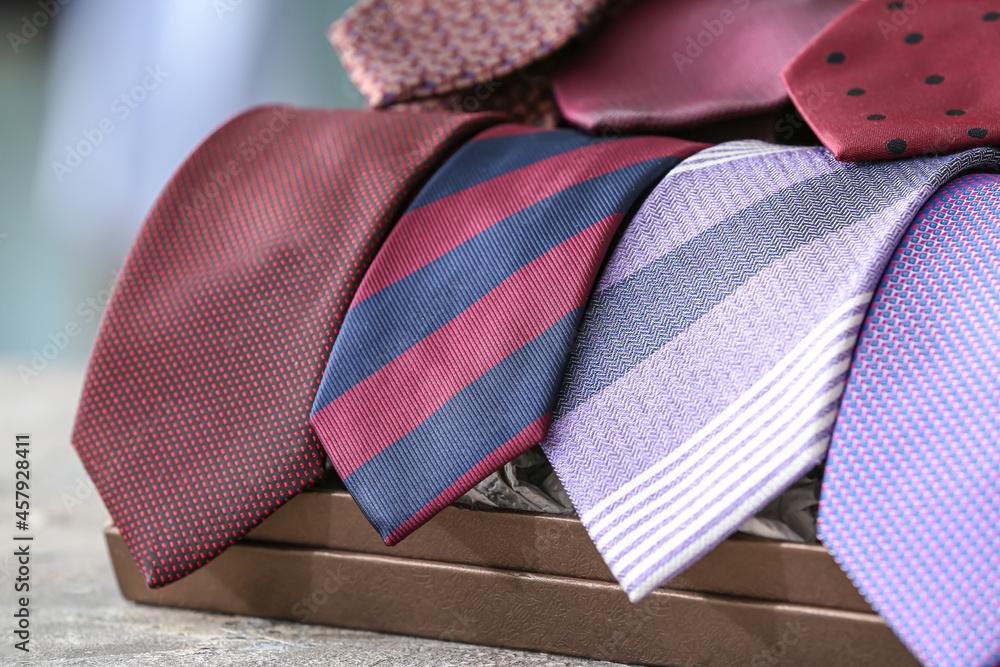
x=400 y=50
x=194 y=417
x=896 y=79
x=451 y=353
x=708 y=368
x=671 y=64
x=911 y=499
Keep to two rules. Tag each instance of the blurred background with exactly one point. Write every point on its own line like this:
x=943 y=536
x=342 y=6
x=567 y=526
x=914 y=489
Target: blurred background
x=101 y=100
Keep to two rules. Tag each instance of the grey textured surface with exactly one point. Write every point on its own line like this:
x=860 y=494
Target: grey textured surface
x=78 y=616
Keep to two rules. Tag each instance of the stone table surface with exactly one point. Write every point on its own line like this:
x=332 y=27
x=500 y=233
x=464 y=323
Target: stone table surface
x=78 y=617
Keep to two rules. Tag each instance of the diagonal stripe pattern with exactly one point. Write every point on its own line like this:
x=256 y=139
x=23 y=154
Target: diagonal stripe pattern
x=911 y=496
x=451 y=353
x=710 y=362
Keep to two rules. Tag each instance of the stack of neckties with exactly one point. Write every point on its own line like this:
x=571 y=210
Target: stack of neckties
x=419 y=297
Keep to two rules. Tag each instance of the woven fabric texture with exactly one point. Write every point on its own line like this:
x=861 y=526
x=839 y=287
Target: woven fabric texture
x=451 y=353
x=901 y=79
x=711 y=359
x=396 y=50
x=911 y=500
x=194 y=420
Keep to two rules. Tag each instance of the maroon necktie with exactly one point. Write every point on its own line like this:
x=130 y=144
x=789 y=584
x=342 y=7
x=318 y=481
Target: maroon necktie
x=194 y=421
x=898 y=79
x=666 y=65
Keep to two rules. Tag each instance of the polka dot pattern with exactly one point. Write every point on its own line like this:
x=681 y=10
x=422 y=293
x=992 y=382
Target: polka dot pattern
x=896 y=146
x=194 y=420
x=911 y=497
x=924 y=69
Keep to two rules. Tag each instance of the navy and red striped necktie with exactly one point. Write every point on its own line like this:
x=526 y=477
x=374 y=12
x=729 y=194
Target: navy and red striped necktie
x=452 y=351
x=194 y=418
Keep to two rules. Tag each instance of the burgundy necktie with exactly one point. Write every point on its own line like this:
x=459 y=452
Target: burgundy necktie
x=666 y=65
x=194 y=417
x=899 y=79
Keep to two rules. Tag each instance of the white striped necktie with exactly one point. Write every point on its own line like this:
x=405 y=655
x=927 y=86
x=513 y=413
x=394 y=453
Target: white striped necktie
x=709 y=366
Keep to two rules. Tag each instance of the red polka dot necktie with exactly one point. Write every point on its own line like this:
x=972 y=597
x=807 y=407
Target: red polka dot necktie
x=194 y=418
x=900 y=79
x=453 y=349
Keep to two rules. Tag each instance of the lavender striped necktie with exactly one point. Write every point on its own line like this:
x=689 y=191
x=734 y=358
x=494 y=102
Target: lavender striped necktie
x=911 y=499
x=710 y=362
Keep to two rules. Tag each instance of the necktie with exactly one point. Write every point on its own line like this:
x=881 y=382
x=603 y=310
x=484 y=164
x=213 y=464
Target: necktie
x=525 y=95
x=395 y=51
x=194 y=417
x=912 y=489
x=708 y=368
x=665 y=65
x=452 y=350
x=895 y=79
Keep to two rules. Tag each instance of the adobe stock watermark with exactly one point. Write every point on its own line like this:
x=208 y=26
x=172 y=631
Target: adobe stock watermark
x=82 y=492
x=704 y=39
x=461 y=628
x=30 y=25
x=775 y=653
x=86 y=311
x=225 y=7
x=473 y=101
x=814 y=97
x=629 y=629
x=313 y=602
x=374 y=20
x=121 y=108
x=248 y=149
x=902 y=13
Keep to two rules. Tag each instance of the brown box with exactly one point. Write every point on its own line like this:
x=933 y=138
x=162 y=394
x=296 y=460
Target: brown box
x=535 y=582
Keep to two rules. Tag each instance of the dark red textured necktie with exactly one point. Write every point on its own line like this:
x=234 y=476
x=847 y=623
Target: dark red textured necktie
x=668 y=65
x=194 y=421
x=899 y=79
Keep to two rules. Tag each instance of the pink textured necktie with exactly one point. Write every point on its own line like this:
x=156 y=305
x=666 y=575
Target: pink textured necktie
x=911 y=498
x=900 y=79
x=671 y=64
x=396 y=51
